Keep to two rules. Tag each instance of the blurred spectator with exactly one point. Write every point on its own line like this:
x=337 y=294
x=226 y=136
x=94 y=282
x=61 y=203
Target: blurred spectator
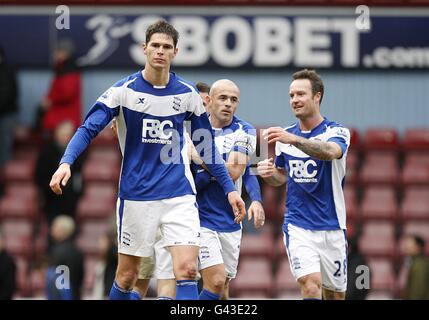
x=417 y=285
x=63 y=101
x=8 y=108
x=64 y=253
x=47 y=164
x=354 y=259
x=106 y=267
x=7 y=273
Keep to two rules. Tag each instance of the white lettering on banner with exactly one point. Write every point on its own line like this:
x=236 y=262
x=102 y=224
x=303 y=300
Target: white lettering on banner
x=307 y=40
x=264 y=41
x=242 y=50
x=273 y=39
x=192 y=44
x=398 y=57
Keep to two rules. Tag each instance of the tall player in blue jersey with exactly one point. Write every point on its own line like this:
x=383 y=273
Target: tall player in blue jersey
x=311 y=157
x=156 y=188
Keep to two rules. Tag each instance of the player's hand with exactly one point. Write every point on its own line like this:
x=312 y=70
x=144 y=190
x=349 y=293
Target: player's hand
x=237 y=205
x=275 y=134
x=266 y=168
x=256 y=210
x=114 y=128
x=60 y=178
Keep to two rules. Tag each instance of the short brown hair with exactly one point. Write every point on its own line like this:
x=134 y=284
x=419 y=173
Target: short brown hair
x=162 y=26
x=315 y=80
x=203 y=87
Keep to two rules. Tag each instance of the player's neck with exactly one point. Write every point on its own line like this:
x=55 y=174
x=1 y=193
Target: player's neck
x=156 y=77
x=217 y=124
x=310 y=123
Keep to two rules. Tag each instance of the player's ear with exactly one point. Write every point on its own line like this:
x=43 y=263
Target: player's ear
x=144 y=46
x=176 y=49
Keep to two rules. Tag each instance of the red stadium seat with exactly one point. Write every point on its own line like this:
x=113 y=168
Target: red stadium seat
x=415 y=205
x=24 y=190
x=355 y=140
x=381 y=139
x=15 y=206
x=416 y=140
x=105 y=138
x=19 y=170
x=415 y=170
x=284 y=279
x=97 y=202
x=22 y=272
x=37 y=281
x=253 y=275
x=380 y=168
x=257 y=245
x=108 y=154
x=379 y=202
x=90 y=234
x=350 y=198
x=19 y=245
x=378 y=239
x=382 y=275
x=95 y=171
x=352 y=160
x=90 y=266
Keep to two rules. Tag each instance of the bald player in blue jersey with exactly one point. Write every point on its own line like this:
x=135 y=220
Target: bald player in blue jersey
x=311 y=157
x=156 y=187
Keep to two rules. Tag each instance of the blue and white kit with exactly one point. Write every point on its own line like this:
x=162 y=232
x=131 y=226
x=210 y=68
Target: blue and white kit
x=315 y=214
x=155 y=164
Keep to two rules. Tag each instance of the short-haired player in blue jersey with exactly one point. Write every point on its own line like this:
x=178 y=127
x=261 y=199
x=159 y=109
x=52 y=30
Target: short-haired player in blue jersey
x=156 y=187
x=220 y=235
x=311 y=157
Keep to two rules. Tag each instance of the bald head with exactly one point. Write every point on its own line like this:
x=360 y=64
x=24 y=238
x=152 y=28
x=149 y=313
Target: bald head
x=223 y=84
x=224 y=98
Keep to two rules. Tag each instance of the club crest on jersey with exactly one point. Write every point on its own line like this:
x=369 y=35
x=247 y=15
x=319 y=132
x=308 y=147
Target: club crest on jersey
x=176 y=103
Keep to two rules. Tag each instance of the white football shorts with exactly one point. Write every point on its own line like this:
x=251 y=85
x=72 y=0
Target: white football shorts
x=220 y=247
x=138 y=223
x=312 y=251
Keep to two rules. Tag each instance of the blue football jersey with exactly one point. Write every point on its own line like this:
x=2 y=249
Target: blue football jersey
x=214 y=208
x=315 y=198
x=151 y=122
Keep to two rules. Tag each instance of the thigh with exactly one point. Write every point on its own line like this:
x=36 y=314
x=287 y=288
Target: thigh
x=137 y=223
x=210 y=249
x=180 y=223
x=301 y=247
x=230 y=244
x=334 y=261
x=163 y=262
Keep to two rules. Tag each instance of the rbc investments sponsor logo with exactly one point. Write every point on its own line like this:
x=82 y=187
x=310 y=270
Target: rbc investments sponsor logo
x=303 y=171
x=155 y=131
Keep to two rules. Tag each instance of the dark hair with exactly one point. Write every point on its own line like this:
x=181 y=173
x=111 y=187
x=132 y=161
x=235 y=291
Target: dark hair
x=162 y=26
x=203 y=87
x=419 y=241
x=315 y=80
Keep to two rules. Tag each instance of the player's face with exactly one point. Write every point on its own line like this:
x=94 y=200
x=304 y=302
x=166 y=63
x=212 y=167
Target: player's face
x=160 y=51
x=302 y=101
x=223 y=103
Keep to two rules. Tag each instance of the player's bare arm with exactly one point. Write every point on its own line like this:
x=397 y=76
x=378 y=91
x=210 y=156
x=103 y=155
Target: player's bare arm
x=60 y=178
x=236 y=164
x=317 y=149
x=273 y=176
